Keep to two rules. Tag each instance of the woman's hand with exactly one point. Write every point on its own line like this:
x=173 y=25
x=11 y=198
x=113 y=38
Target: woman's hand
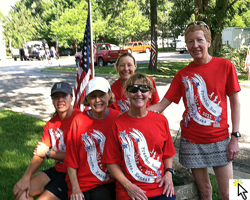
x=168 y=184
x=78 y=196
x=135 y=193
x=23 y=185
x=41 y=150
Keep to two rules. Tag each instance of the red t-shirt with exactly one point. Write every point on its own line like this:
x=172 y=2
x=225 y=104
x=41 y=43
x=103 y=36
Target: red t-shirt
x=204 y=89
x=122 y=103
x=54 y=136
x=85 y=143
x=139 y=146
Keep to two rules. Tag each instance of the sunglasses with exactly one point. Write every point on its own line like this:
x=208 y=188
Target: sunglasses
x=199 y=23
x=135 y=88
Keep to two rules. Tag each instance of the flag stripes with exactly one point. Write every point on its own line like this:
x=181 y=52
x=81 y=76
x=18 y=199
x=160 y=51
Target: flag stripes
x=153 y=48
x=247 y=61
x=84 y=70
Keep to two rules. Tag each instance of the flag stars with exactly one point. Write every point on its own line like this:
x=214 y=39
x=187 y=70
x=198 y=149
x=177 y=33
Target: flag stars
x=85 y=136
x=123 y=134
x=124 y=146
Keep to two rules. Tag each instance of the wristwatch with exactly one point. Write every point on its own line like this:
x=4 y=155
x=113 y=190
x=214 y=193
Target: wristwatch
x=170 y=170
x=236 y=134
x=48 y=154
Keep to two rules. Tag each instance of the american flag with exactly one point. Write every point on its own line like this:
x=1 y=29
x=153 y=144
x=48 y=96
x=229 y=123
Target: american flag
x=247 y=61
x=84 y=70
x=57 y=46
x=153 y=48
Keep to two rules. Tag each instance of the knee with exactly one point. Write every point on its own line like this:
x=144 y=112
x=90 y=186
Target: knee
x=205 y=190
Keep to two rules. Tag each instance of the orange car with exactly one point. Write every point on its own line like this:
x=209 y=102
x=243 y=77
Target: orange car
x=137 y=46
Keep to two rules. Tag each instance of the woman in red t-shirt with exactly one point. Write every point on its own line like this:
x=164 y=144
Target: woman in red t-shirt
x=204 y=86
x=126 y=65
x=50 y=183
x=87 y=175
x=139 y=149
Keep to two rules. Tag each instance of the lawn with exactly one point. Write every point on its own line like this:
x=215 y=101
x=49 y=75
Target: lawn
x=165 y=70
x=19 y=135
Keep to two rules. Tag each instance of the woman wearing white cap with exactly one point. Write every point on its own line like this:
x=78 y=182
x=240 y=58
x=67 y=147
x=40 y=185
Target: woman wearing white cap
x=50 y=183
x=87 y=176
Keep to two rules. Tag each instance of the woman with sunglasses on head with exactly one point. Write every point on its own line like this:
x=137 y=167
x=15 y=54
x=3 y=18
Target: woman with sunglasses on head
x=139 y=149
x=87 y=175
x=50 y=183
x=204 y=86
x=126 y=65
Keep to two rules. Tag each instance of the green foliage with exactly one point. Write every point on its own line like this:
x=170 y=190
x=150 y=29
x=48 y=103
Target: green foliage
x=20 y=26
x=236 y=56
x=19 y=135
x=70 y=26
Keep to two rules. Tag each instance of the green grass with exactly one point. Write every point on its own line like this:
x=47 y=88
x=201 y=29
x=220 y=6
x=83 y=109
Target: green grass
x=19 y=135
x=165 y=70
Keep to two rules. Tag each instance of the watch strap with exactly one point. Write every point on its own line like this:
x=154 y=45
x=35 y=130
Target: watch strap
x=48 y=154
x=170 y=170
x=236 y=134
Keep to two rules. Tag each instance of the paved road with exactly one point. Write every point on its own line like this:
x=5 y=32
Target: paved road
x=25 y=88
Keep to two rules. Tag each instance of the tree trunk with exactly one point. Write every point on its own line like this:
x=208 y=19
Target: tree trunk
x=201 y=10
x=153 y=16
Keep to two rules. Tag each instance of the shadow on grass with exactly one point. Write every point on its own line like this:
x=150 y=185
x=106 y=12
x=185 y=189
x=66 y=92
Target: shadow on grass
x=19 y=135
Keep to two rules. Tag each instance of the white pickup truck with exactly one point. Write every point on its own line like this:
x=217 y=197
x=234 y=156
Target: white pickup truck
x=181 y=46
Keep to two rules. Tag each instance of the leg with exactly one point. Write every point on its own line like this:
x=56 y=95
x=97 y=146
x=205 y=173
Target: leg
x=38 y=181
x=223 y=174
x=47 y=195
x=203 y=182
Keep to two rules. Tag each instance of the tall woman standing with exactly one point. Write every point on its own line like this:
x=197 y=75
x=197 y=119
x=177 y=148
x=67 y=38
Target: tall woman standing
x=204 y=86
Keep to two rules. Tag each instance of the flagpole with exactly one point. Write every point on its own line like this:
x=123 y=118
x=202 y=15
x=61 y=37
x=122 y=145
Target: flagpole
x=91 y=41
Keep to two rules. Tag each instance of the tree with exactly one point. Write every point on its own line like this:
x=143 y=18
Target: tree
x=70 y=26
x=128 y=23
x=19 y=26
x=215 y=14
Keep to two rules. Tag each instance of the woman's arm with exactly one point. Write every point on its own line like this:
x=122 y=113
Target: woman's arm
x=161 y=106
x=233 y=146
x=134 y=192
x=76 y=190
x=167 y=180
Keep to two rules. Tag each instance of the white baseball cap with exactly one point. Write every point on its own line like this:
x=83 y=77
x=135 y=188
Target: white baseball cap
x=97 y=83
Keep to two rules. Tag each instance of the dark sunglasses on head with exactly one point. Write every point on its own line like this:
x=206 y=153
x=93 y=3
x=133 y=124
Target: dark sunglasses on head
x=135 y=88
x=199 y=23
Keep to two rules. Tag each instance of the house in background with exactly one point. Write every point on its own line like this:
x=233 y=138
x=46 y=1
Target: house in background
x=236 y=37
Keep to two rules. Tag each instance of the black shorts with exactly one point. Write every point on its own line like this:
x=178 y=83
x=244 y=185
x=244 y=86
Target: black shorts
x=101 y=192
x=57 y=184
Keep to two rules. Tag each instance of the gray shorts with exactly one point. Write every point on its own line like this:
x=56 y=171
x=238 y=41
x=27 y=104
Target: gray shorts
x=192 y=155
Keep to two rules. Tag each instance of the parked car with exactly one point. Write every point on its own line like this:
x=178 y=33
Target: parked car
x=173 y=44
x=181 y=46
x=104 y=53
x=137 y=46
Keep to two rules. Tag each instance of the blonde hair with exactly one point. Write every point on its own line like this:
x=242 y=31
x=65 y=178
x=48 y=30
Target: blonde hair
x=121 y=56
x=111 y=100
x=194 y=27
x=142 y=77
